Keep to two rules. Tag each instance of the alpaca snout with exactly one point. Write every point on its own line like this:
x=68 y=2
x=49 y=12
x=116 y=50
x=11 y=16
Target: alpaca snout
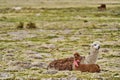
x=98 y=47
x=77 y=60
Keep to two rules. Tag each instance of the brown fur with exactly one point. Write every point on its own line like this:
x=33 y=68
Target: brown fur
x=85 y=67
x=102 y=7
x=63 y=64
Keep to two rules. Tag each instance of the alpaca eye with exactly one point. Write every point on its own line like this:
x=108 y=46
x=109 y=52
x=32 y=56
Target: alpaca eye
x=95 y=44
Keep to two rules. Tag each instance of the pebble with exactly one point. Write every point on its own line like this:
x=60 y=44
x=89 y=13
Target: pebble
x=48 y=46
x=36 y=56
x=105 y=50
x=6 y=76
x=12 y=69
x=31 y=52
x=50 y=72
x=39 y=64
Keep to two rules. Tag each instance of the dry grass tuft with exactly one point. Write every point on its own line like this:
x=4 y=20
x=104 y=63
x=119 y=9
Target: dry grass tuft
x=31 y=25
x=20 y=25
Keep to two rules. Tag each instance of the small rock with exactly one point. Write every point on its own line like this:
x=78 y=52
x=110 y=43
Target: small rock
x=64 y=79
x=20 y=64
x=10 y=50
x=105 y=50
x=103 y=25
x=33 y=78
x=66 y=31
x=12 y=69
x=1 y=56
x=48 y=46
x=46 y=54
x=0 y=66
x=38 y=14
x=57 y=78
x=20 y=35
x=78 y=33
x=25 y=65
x=12 y=63
x=57 y=39
x=49 y=59
x=19 y=78
x=36 y=56
x=39 y=64
x=74 y=38
x=47 y=79
x=50 y=72
x=31 y=52
x=17 y=8
x=6 y=76
x=8 y=58
x=65 y=49
x=9 y=54
x=72 y=78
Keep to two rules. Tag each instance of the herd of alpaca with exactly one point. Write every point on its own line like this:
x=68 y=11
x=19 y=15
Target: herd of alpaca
x=81 y=63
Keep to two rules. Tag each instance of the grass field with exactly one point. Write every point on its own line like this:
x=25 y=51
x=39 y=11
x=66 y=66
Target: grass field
x=63 y=27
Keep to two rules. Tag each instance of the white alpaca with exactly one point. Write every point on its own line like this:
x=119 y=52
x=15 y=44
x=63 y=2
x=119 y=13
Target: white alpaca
x=92 y=57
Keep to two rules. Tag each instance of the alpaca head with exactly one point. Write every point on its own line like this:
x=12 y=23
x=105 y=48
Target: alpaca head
x=77 y=56
x=77 y=59
x=95 y=45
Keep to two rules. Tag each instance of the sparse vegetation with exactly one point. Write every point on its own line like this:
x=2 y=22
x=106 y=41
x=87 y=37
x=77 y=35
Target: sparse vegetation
x=69 y=26
x=20 y=25
x=31 y=25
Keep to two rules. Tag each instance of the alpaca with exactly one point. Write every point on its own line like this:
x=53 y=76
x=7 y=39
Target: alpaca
x=94 y=51
x=84 y=67
x=102 y=7
x=63 y=64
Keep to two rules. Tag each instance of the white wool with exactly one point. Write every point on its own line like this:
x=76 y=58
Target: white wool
x=94 y=51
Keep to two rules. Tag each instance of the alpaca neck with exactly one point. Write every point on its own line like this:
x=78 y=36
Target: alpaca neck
x=92 y=57
x=94 y=52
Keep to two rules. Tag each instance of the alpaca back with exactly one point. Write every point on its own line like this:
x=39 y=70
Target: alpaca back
x=61 y=64
x=88 y=68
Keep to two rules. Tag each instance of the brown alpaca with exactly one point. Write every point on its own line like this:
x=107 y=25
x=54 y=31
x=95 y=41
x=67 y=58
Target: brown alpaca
x=84 y=67
x=102 y=7
x=63 y=64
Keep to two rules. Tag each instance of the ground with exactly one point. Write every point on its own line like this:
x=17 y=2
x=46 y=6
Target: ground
x=63 y=27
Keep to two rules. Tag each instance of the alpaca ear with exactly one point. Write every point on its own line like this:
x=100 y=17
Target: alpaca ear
x=97 y=42
x=76 y=53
